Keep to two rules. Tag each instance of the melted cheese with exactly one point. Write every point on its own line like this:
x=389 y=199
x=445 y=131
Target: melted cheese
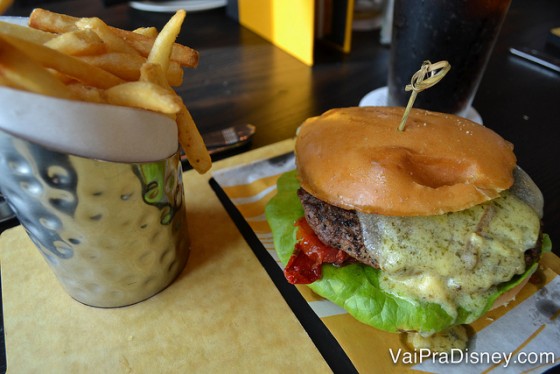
x=456 y=259
x=446 y=341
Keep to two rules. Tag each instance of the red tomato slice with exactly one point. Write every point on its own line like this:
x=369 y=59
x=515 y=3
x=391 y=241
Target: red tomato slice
x=309 y=255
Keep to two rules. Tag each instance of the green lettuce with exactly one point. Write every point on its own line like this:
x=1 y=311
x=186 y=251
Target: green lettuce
x=355 y=287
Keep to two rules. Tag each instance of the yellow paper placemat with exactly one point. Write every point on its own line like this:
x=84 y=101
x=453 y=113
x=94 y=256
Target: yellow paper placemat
x=529 y=325
x=223 y=314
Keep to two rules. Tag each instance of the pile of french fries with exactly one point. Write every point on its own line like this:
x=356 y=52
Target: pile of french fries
x=85 y=59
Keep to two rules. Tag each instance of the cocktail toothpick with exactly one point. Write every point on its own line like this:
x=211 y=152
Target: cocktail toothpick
x=428 y=75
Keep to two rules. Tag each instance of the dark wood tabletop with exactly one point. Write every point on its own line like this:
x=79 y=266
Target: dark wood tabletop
x=241 y=78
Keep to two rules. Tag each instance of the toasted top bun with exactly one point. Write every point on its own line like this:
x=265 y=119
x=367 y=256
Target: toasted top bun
x=355 y=158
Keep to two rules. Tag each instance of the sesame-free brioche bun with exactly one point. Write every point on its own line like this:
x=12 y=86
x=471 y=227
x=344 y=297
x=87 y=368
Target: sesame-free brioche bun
x=356 y=158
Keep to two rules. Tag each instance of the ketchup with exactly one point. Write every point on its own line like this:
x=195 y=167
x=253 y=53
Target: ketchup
x=309 y=255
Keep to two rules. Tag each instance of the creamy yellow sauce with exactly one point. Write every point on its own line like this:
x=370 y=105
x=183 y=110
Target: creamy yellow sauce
x=455 y=259
x=445 y=341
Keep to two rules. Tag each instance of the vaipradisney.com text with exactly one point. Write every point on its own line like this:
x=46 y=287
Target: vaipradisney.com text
x=458 y=356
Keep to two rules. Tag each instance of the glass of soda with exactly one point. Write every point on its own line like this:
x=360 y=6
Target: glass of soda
x=463 y=32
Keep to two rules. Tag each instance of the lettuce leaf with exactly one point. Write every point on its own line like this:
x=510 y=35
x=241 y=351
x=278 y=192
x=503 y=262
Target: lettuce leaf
x=546 y=244
x=282 y=212
x=355 y=287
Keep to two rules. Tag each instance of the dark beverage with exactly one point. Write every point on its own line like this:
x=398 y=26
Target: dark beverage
x=462 y=32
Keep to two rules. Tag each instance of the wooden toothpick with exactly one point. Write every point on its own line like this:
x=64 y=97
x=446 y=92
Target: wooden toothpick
x=428 y=75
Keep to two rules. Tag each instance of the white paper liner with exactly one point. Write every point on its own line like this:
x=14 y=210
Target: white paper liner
x=98 y=131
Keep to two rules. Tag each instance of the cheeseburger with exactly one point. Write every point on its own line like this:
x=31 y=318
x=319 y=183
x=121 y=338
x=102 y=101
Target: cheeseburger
x=420 y=230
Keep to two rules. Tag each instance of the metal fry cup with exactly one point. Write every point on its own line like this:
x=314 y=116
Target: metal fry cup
x=113 y=232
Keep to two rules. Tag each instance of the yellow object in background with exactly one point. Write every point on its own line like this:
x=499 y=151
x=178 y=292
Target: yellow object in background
x=295 y=25
x=287 y=23
x=4 y=4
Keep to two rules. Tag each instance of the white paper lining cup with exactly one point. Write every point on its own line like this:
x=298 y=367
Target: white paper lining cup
x=91 y=130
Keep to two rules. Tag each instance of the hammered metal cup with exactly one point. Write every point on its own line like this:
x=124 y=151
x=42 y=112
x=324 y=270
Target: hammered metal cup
x=113 y=233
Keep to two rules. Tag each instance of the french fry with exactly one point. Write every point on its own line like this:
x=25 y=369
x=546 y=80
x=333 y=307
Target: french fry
x=127 y=66
x=160 y=53
x=86 y=93
x=182 y=54
x=78 y=43
x=4 y=4
x=113 y=42
x=23 y=73
x=4 y=81
x=52 y=22
x=192 y=142
x=175 y=74
x=150 y=32
x=65 y=64
x=161 y=50
x=59 y=23
x=123 y=65
x=144 y=95
x=27 y=33
x=153 y=73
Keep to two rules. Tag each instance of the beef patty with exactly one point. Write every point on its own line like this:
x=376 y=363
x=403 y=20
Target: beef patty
x=336 y=227
x=340 y=229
